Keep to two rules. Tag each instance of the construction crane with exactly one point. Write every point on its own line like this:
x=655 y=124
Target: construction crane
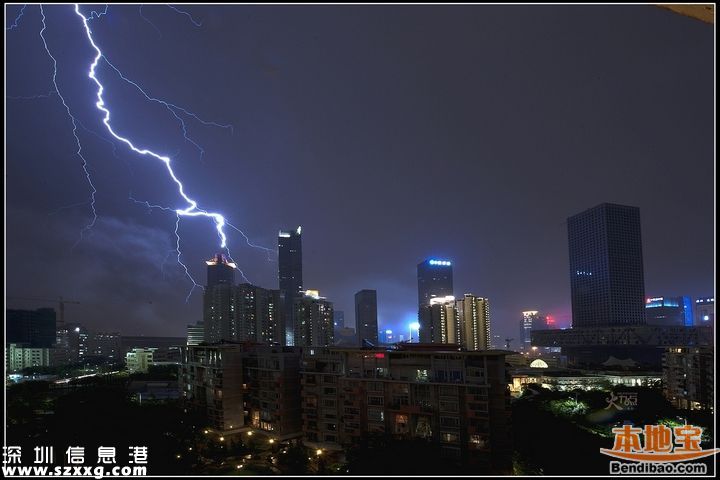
x=60 y=301
x=507 y=342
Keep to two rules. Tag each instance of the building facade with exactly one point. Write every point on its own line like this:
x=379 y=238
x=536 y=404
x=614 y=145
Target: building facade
x=688 y=377
x=464 y=322
x=107 y=345
x=606 y=267
x=474 y=315
x=313 y=321
x=19 y=356
x=435 y=280
x=220 y=300
x=439 y=321
x=459 y=400
x=290 y=277
x=531 y=320
x=677 y=311
x=366 y=316
x=705 y=311
x=245 y=387
x=196 y=333
x=258 y=314
x=139 y=360
x=34 y=328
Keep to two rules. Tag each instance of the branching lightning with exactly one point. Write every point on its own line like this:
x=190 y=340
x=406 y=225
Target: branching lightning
x=172 y=108
x=74 y=132
x=148 y=21
x=17 y=19
x=191 y=208
x=194 y=22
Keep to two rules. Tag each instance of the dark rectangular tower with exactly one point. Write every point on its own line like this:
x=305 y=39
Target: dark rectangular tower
x=435 y=279
x=366 y=316
x=34 y=328
x=290 y=277
x=606 y=267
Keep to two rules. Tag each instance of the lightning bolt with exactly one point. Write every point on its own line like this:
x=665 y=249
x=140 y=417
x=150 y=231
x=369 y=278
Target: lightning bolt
x=74 y=132
x=192 y=209
x=173 y=109
x=17 y=19
x=148 y=21
x=194 y=22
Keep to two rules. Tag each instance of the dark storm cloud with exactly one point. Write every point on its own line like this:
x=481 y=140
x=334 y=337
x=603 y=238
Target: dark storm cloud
x=96 y=270
x=390 y=134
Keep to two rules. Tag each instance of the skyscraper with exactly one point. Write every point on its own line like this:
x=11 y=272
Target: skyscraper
x=314 y=320
x=219 y=301
x=435 y=279
x=531 y=320
x=474 y=319
x=258 y=312
x=366 y=316
x=290 y=277
x=606 y=267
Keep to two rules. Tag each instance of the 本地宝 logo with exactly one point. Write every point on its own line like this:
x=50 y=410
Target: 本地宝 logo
x=662 y=444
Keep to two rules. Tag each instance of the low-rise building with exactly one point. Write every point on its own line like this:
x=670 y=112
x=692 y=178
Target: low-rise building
x=139 y=360
x=19 y=356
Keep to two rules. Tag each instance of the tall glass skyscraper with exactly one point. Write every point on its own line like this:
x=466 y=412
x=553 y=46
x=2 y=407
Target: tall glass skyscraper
x=435 y=279
x=290 y=277
x=606 y=267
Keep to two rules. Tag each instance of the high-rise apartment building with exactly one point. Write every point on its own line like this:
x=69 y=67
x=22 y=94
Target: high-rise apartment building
x=313 y=320
x=440 y=322
x=290 y=277
x=219 y=301
x=474 y=319
x=606 y=267
x=464 y=322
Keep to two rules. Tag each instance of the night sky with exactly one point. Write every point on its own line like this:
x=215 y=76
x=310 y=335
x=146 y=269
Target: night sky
x=391 y=134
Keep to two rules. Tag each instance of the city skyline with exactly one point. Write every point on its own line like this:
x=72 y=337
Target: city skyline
x=514 y=252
